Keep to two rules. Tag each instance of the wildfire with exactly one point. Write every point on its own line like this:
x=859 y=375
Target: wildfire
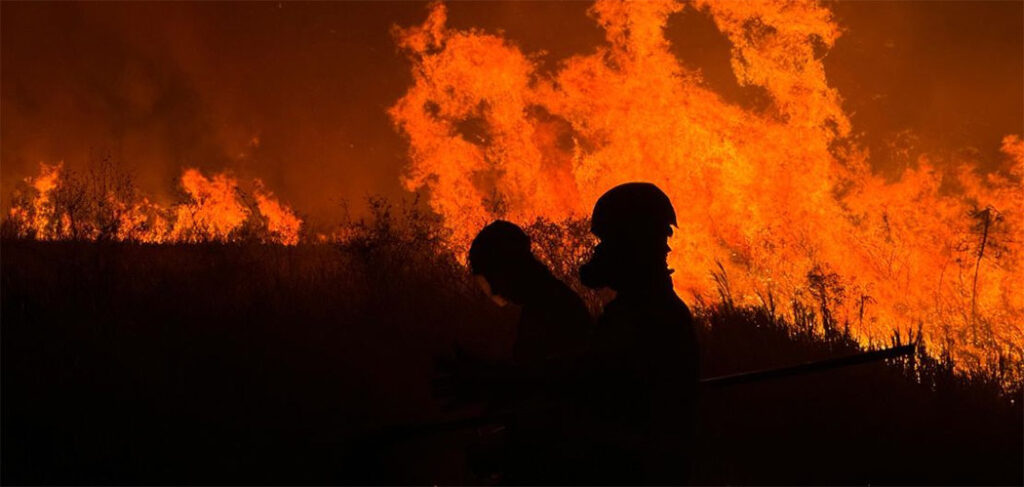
x=780 y=207
x=281 y=221
x=215 y=209
x=38 y=217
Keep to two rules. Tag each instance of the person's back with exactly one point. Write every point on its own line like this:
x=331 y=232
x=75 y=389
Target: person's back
x=553 y=320
x=647 y=396
x=554 y=323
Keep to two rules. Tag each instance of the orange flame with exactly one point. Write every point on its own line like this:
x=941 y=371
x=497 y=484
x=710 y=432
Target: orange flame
x=781 y=205
x=40 y=215
x=281 y=221
x=215 y=210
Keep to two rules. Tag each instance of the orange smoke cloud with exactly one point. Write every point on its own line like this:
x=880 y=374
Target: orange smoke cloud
x=782 y=201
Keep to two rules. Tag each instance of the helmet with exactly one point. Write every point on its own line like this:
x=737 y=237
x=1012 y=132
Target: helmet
x=500 y=243
x=633 y=210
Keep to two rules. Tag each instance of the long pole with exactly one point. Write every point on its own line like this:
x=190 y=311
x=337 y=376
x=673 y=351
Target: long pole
x=427 y=429
x=807 y=367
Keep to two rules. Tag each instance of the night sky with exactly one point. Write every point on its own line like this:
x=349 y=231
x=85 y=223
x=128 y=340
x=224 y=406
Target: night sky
x=296 y=93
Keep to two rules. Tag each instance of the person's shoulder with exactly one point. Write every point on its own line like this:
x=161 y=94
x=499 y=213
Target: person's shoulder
x=669 y=311
x=681 y=307
x=560 y=293
x=559 y=300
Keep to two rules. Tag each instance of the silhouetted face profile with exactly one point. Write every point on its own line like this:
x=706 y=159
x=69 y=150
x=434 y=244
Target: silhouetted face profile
x=645 y=338
x=553 y=329
x=500 y=258
x=633 y=221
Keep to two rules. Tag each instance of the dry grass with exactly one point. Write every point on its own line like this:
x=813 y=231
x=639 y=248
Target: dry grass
x=250 y=363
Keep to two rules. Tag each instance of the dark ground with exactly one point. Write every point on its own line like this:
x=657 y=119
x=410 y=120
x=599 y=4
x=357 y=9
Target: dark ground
x=262 y=364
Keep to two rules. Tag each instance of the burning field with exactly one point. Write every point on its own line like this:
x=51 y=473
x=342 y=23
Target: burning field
x=235 y=235
x=778 y=203
x=105 y=206
x=777 y=206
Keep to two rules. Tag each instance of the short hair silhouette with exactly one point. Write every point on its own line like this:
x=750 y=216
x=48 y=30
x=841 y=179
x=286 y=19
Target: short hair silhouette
x=553 y=331
x=501 y=254
x=497 y=246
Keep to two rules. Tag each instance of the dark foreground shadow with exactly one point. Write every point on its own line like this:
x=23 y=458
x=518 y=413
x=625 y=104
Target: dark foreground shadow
x=243 y=365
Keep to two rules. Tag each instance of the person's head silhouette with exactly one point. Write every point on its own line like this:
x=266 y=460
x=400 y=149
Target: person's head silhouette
x=501 y=258
x=633 y=221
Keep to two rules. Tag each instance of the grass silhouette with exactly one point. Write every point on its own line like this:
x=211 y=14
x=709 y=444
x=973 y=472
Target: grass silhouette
x=252 y=363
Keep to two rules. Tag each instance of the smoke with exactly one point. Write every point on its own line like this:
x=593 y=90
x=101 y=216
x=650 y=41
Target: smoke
x=295 y=94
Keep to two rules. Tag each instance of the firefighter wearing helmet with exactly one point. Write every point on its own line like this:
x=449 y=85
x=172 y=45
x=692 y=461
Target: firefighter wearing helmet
x=645 y=389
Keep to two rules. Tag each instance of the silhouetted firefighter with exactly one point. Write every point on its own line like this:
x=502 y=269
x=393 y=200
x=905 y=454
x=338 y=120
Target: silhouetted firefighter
x=610 y=404
x=620 y=406
x=644 y=351
x=538 y=440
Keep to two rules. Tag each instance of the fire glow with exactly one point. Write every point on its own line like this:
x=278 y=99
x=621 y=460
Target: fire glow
x=776 y=207
x=215 y=211
x=780 y=207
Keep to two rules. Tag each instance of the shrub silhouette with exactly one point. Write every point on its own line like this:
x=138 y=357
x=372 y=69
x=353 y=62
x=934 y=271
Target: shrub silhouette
x=244 y=362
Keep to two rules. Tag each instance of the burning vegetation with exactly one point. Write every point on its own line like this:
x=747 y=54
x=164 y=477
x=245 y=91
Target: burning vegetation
x=105 y=205
x=778 y=206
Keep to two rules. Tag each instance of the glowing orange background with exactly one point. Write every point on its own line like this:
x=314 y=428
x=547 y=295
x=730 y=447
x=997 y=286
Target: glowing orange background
x=164 y=86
